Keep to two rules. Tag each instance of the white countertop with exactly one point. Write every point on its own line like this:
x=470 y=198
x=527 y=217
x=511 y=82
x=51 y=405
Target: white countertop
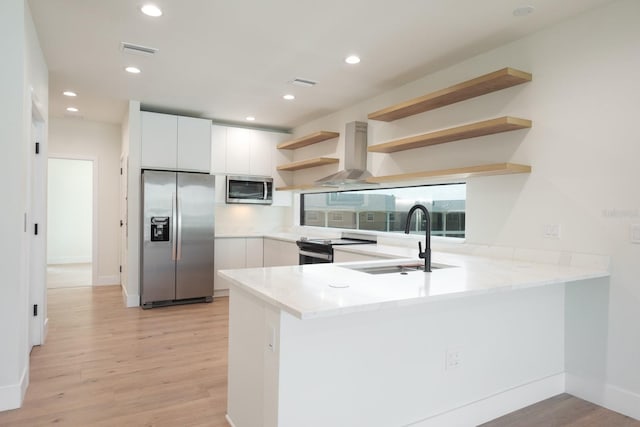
x=310 y=291
x=285 y=236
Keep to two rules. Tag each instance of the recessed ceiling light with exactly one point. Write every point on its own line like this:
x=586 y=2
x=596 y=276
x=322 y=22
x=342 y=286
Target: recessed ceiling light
x=69 y=93
x=250 y=118
x=289 y=97
x=352 y=59
x=151 y=10
x=132 y=70
x=72 y=109
x=523 y=10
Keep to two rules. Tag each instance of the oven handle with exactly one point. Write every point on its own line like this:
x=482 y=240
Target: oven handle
x=327 y=257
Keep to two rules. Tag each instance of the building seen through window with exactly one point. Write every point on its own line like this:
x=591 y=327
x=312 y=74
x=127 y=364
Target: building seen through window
x=386 y=209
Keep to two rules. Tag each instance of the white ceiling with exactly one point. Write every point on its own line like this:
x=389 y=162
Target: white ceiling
x=227 y=59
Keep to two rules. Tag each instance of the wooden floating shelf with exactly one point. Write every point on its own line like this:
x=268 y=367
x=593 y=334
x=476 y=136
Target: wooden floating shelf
x=482 y=85
x=310 y=163
x=456 y=173
x=487 y=127
x=313 y=138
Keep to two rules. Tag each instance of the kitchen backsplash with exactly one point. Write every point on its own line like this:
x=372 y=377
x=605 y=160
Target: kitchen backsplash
x=241 y=219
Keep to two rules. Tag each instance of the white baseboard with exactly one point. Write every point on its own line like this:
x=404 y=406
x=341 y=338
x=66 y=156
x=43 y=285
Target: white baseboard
x=228 y=418
x=497 y=405
x=70 y=260
x=107 y=280
x=611 y=397
x=130 y=300
x=11 y=396
x=220 y=293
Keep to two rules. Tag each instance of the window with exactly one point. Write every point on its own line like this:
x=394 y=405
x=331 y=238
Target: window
x=386 y=209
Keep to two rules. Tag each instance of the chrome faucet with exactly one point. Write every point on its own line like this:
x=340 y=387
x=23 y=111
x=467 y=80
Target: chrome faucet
x=427 y=250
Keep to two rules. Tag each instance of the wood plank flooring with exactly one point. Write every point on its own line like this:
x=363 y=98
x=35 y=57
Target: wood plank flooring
x=563 y=410
x=68 y=275
x=106 y=365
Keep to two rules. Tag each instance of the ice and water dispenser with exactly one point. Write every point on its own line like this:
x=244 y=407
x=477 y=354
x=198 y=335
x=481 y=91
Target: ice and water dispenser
x=159 y=228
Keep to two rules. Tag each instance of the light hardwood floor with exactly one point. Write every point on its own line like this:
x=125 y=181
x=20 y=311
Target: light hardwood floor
x=68 y=275
x=563 y=410
x=106 y=365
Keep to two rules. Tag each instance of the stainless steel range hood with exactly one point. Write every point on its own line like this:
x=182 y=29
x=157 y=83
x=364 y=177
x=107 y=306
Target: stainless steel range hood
x=355 y=170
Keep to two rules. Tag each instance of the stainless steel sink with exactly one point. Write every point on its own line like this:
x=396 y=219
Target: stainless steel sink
x=401 y=268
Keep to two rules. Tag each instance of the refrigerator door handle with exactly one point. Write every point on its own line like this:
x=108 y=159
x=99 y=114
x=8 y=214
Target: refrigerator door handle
x=174 y=233
x=179 y=230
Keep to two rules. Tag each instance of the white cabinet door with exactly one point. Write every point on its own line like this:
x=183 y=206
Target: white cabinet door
x=194 y=144
x=254 y=252
x=279 y=252
x=230 y=253
x=239 y=150
x=219 y=149
x=262 y=146
x=159 y=140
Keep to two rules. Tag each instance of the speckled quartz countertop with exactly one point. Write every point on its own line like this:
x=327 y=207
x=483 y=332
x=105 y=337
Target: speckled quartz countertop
x=310 y=291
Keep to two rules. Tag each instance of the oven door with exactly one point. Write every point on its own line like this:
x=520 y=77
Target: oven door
x=310 y=257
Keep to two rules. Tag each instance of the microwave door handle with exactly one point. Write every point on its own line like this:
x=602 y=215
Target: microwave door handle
x=266 y=190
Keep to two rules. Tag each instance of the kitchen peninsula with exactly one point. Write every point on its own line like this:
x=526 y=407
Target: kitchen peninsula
x=330 y=344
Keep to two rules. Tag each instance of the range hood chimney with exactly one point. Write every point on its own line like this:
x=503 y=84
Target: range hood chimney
x=355 y=159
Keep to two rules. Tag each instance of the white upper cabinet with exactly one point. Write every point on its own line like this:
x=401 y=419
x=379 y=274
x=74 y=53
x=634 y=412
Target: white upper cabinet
x=175 y=142
x=194 y=144
x=239 y=142
x=219 y=149
x=159 y=139
x=242 y=151
x=261 y=149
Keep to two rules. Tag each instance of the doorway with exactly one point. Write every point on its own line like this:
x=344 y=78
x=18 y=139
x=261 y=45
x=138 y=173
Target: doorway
x=71 y=212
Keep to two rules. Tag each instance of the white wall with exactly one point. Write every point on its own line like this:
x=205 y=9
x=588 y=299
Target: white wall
x=23 y=74
x=100 y=141
x=583 y=147
x=69 y=211
x=130 y=134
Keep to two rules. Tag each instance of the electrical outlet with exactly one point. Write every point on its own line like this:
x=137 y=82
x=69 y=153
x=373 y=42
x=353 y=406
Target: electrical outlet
x=453 y=359
x=551 y=231
x=635 y=233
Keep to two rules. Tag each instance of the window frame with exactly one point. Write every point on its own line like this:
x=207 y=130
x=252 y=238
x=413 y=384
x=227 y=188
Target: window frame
x=444 y=237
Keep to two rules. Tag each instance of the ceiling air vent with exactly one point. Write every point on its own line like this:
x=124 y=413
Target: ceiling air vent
x=136 y=49
x=303 y=82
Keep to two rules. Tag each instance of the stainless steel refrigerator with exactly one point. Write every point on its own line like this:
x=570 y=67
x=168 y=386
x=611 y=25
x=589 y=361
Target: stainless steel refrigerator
x=177 y=238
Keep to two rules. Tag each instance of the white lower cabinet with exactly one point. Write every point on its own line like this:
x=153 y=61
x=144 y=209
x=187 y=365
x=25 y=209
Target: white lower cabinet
x=279 y=252
x=236 y=252
x=254 y=252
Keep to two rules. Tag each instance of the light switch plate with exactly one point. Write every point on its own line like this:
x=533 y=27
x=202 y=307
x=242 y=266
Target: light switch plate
x=551 y=231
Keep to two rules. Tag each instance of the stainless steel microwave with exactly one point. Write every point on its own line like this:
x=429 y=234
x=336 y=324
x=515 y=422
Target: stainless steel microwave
x=249 y=189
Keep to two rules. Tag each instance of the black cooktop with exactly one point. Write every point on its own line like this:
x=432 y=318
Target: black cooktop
x=333 y=242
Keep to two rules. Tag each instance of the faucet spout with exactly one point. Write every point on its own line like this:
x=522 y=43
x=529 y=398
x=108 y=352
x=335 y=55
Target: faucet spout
x=426 y=255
